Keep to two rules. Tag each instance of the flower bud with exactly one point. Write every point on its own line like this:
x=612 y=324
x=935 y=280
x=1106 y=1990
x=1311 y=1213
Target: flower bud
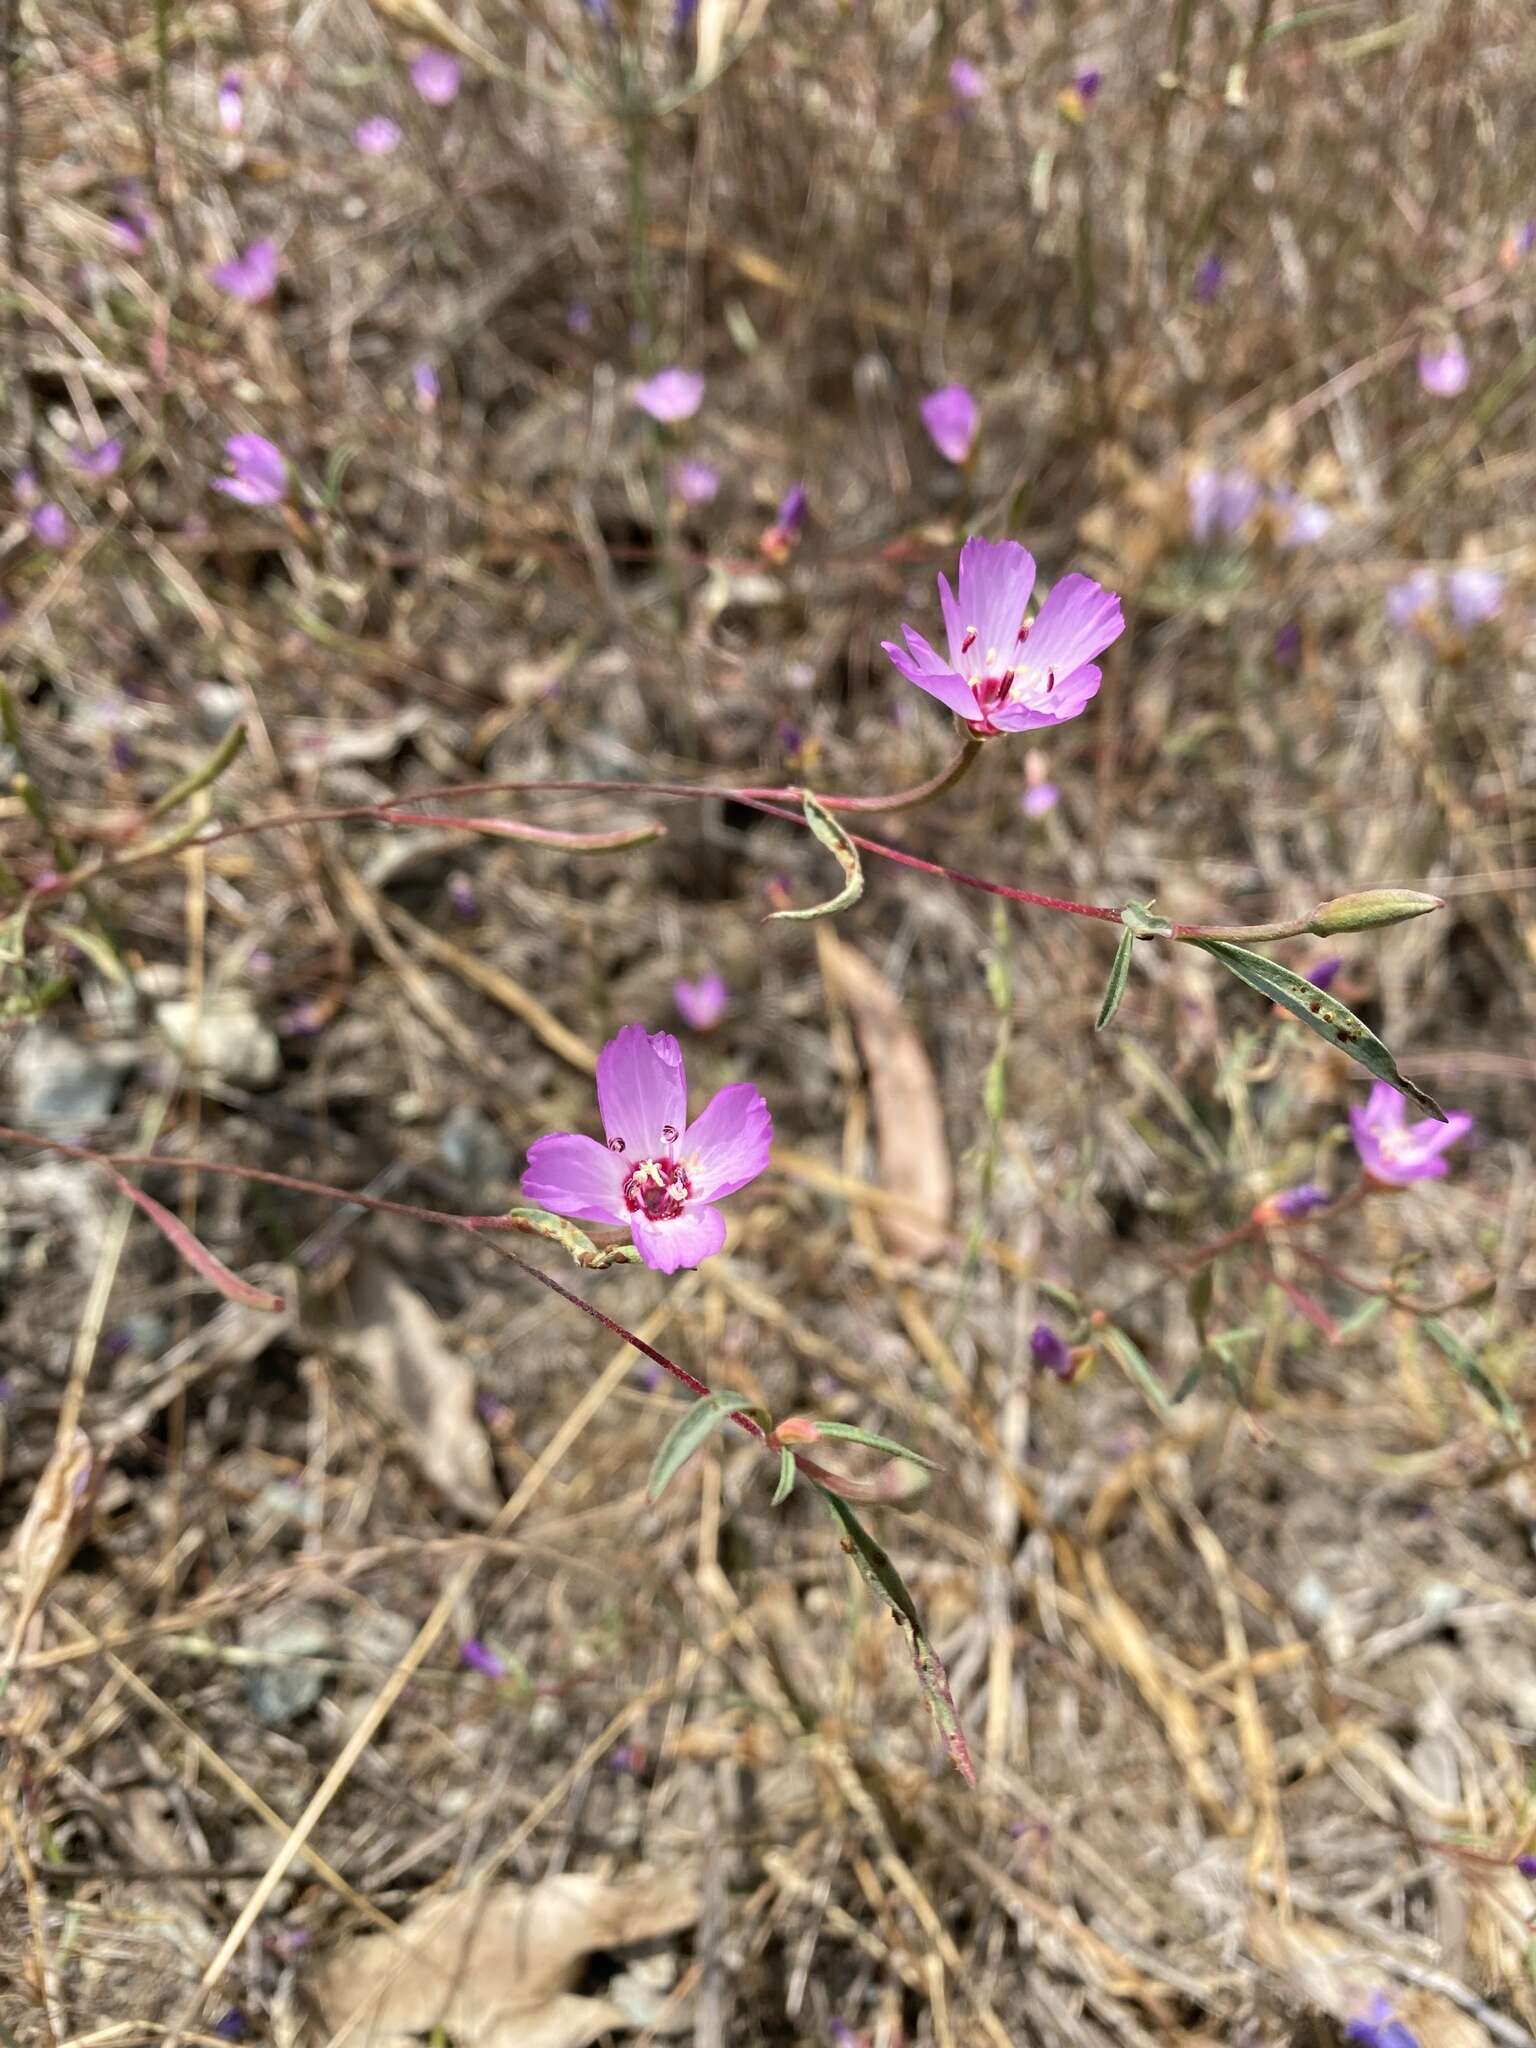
x=1367 y=907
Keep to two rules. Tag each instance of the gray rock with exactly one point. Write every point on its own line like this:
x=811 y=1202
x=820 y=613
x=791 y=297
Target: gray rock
x=64 y=1089
x=284 y=1685
x=476 y=1153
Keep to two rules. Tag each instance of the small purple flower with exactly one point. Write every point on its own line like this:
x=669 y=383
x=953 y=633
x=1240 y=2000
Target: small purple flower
x=966 y=82
x=377 y=136
x=1049 y=1353
x=234 y=2026
x=777 y=540
x=102 y=460
x=578 y=317
x=1210 y=276
x=1409 y=603
x=1377 y=2028
x=657 y=1173
x=474 y=1653
x=702 y=1003
x=950 y=417
x=1004 y=672
x=671 y=395
x=435 y=76
x=426 y=387
x=1088 y=83
x=260 y=475
x=683 y=12
x=463 y=900
x=1039 y=799
x=1302 y=523
x=132 y=224
x=1299 y=1201
x=1526 y=1865
x=250 y=276
x=51 y=527
x=231 y=103
x=1444 y=371
x=1395 y=1152
x=1327 y=970
x=695 y=483
x=1286 y=646
x=1475 y=595
x=1221 y=502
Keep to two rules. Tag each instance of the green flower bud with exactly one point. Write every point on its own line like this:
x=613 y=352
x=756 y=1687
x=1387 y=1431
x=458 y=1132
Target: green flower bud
x=1367 y=907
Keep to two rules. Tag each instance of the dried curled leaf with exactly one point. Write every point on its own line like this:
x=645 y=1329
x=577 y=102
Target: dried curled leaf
x=831 y=835
x=57 y=1518
x=561 y=1231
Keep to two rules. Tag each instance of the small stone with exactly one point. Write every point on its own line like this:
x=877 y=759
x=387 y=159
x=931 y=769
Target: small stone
x=223 y=1036
x=61 y=1088
x=475 y=1152
x=284 y=1686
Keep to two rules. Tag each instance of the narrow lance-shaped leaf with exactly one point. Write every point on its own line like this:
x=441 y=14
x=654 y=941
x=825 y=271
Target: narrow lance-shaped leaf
x=787 y=1470
x=1463 y=1362
x=1320 y=1012
x=831 y=835
x=710 y=1413
x=554 y=836
x=1132 y=1362
x=849 y=1432
x=1119 y=974
x=561 y=1231
x=882 y=1577
x=191 y=1248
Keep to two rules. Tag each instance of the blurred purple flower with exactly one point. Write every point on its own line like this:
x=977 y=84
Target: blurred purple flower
x=462 y=898
x=1221 y=502
x=1049 y=1353
x=435 y=76
x=843 y=2036
x=251 y=276
x=474 y=1653
x=234 y=2026
x=966 y=82
x=1408 y=602
x=1039 y=799
x=1302 y=522
x=1327 y=970
x=1475 y=595
x=1396 y=1152
x=683 y=12
x=702 y=1003
x=1088 y=83
x=777 y=541
x=1444 y=371
x=377 y=136
x=695 y=483
x=950 y=416
x=1377 y=2028
x=104 y=459
x=426 y=387
x=132 y=224
x=231 y=103
x=1526 y=1865
x=1299 y=1201
x=1006 y=673
x=1210 y=276
x=51 y=527
x=1286 y=647
x=578 y=317
x=260 y=475
x=671 y=395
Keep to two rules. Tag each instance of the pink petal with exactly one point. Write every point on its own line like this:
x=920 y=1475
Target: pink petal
x=575 y=1176
x=1384 y=1108
x=642 y=1092
x=923 y=667
x=1078 y=620
x=686 y=1240
x=1064 y=702
x=728 y=1145
x=996 y=577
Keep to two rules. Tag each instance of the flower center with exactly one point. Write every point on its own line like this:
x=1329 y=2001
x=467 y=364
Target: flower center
x=657 y=1189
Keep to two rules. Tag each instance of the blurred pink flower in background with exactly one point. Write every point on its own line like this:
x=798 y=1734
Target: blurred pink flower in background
x=260 y=475
x=250 y=276
x=695 y=483
x=1395 y=1152
x=231 y=103
x=779 y=539
x=102 y=460
x=1005 y=673
x=671 y=395
x=1040 y=799
x=1221 y=502
x=377 y=136
x=950 y=416
x=657 y=1173
x=1210 y=275
x=1444 y=370
x=1301 y=522
x=51 y=527
x=132 y=224
x=426 y=387
x=966 y=82
x=1475 y=594
x=435 y=76
x=1411 y=601
x=702 y=1003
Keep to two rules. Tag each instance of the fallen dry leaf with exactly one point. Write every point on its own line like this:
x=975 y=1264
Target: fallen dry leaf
x=494 y=1967
x=57 y=1518
x=909 y=1119
x=421 y=1381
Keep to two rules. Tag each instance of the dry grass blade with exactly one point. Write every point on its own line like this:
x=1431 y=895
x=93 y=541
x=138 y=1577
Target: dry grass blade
x=57 y=1518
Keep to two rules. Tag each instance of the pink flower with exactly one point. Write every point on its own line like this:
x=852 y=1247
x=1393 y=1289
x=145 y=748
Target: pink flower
x=377 y=136
x=1004 y=673
x=260 y=475
x=105 y=459
x=250 y=276
x=426 y=387
x=1444 y=371
x=1411 y=602
x=231 y=103
x=435 y=76
x=671 y=395
x=695 y=483
x=1395 y=1152
x=949 y=414
x=475 y=1654
x=778 y=540
x=51 y=526
x=1475 y=595
x=657 y=1173
x=966 y=82
x=702 y=1003
x=1040 y=799
x=1301 y=521
x=132 y=224
x=1221 y=502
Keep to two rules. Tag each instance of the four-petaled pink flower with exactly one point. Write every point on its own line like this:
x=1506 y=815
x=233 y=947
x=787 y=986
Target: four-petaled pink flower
x=950 y=416
x=251 y=276
x=1396 y=1152
x=657 y=1173
x=260 y=475
x=671 y=395
x=1004 y=673
x=377 y=136
x=702 y=1003
x=104 y=459
x=1444 y=371
x=435 y=76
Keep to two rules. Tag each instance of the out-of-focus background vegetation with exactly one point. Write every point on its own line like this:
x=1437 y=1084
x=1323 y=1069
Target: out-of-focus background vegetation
x=1247 y=1674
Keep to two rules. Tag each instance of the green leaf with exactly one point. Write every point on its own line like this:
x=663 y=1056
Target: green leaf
x=1132 y=1362
x=1201 y=1289
x=1143 y=922
x=1464 y=1363
x=96 y=949
x=882 y=1577
x=849 y=1432
x=787 y=1470
x=695 y=1427
x=1320 y=1012
x=1362 y=1317
x=1119 y=974
x=561 y=1231
x=831 y=835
